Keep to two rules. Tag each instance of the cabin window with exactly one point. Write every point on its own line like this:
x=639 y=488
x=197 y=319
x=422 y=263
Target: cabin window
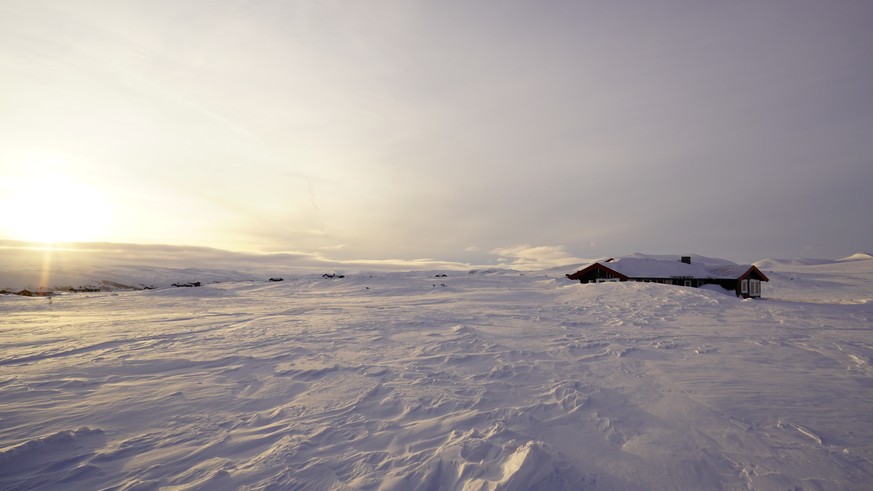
x=744 y=287
x=755 y=288
x=687 y=282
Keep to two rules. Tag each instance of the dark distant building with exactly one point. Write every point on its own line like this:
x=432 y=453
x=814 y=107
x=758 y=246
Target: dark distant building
x=39 y=292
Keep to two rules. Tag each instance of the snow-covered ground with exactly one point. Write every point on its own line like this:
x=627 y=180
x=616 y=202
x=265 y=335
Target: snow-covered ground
x=492 y=380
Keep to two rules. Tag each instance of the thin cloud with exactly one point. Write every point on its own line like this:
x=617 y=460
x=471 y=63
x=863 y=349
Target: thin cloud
x=524 y=256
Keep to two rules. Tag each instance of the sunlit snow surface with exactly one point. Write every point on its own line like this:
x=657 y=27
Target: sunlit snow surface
x=496 y=380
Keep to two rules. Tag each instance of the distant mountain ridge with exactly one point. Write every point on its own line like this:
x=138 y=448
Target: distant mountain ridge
x=774 y=263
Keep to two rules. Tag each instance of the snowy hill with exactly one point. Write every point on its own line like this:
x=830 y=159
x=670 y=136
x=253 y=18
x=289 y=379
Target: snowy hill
x=788 y=264
x=845 y=280
x=491 y=380
x=858 y=256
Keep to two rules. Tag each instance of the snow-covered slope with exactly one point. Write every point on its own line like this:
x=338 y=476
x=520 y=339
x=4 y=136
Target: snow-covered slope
x=846 y=280
x=858 y=256
x=469 y=381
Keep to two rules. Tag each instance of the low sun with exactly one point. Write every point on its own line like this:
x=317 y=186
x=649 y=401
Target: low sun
x=54 y=208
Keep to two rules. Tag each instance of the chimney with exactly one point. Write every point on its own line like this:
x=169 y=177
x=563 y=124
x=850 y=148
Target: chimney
x=686 y=259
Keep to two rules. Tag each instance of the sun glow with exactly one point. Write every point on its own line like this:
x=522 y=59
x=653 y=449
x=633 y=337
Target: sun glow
x=52 y=208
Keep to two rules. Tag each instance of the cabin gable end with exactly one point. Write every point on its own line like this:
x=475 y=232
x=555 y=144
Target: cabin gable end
x=597 y=273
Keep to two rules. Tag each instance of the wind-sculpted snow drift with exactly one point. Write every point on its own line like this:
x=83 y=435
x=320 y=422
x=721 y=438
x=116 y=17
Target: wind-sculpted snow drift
x=496 y=381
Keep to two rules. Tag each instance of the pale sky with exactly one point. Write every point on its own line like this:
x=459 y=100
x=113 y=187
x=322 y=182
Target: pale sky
x=464 y=131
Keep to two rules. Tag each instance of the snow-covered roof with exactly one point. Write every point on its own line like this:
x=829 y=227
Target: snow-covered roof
x=728 y=270
x=639 y=266
x=656 y=268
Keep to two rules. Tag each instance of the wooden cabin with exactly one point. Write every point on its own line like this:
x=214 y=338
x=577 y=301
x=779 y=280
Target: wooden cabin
x=744 y=280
